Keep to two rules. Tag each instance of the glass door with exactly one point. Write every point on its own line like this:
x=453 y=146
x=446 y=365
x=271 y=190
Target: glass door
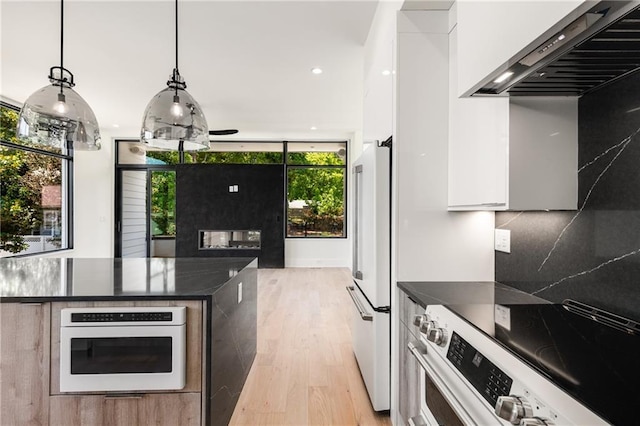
x=146 y=213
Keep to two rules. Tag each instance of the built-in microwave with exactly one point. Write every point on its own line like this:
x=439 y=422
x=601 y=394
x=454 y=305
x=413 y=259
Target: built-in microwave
x=122 y=349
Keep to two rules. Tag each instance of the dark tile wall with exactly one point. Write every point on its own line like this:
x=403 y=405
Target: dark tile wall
x=593 y=254
x=203 y=202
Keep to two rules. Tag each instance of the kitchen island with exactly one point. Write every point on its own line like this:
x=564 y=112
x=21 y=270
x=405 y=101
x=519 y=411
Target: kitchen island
x=220 y=297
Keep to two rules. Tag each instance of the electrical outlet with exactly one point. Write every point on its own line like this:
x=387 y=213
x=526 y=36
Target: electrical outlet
x=239 y=292
x=502 y=240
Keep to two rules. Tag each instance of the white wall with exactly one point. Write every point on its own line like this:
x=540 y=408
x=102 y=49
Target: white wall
x=300 y=252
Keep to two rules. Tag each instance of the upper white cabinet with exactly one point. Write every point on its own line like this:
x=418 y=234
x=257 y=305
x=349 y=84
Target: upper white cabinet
x=511 y=153
x=478 y=141
x=379 y=74
x=492 y=32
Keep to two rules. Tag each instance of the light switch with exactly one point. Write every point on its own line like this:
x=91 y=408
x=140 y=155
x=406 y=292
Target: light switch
x=502 y=240
x=230 y=188
x=235 y=188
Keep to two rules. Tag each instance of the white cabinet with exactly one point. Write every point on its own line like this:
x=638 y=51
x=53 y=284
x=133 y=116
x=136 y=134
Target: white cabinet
x=511 y=154
x=379 y=75
x=492 y=32
x=478 y=138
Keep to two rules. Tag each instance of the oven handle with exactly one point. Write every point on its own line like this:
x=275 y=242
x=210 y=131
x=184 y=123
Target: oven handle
x=361 y=309
x=442 y=386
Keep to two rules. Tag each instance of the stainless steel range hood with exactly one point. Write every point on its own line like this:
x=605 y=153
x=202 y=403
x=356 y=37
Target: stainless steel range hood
x=599 y=47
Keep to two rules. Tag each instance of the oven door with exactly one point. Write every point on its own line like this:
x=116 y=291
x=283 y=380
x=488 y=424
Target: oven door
x=122 y=358
x=446 y=399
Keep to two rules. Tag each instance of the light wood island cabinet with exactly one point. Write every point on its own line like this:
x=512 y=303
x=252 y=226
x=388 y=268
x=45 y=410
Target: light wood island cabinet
x=24 y=363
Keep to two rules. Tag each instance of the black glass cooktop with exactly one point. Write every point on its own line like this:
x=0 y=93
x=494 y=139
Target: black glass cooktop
x=597 y=363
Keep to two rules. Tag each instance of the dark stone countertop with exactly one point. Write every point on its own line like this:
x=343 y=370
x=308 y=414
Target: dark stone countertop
x=50 y=279
x=466 y=293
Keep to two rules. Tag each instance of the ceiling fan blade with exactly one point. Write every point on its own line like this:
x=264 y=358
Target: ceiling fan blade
x=223 y=132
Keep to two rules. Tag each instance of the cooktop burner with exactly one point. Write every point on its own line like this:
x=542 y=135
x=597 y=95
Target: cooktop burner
x=595 y=358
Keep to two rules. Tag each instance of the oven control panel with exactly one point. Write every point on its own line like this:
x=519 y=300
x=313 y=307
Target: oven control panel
x=489 y=380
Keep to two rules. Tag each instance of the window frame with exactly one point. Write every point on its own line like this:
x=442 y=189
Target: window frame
x=67 y=167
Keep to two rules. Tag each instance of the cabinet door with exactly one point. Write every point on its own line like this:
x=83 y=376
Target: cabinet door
x=409 y=389
x=24 y=363
x=478 y=145
x=142 y=409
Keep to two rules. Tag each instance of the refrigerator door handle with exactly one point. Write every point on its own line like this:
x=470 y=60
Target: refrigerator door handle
x=366 y=316
x=357 y=171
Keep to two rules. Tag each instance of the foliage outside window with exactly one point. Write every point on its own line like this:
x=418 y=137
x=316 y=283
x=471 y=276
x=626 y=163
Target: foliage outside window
x=34 y=193
x=163 y=203
x=316 y=189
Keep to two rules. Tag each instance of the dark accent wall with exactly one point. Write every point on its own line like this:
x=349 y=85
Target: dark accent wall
x=593 y=254
x=203 y=202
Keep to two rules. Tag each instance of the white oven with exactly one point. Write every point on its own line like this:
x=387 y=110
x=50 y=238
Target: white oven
x=122 y=349
x=468 y=379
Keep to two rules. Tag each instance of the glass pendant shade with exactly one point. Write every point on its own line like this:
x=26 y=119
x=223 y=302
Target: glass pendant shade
x=59 y=119
x=173 y=120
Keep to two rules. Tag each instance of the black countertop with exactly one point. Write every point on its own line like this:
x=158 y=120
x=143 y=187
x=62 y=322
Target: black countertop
x=49 y=279
x=466 y=293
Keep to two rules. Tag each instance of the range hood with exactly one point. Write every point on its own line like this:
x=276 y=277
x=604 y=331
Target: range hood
x=597 y=48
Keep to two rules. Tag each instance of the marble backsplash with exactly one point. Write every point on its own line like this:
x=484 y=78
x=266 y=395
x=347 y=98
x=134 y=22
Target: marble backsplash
x=592 y=254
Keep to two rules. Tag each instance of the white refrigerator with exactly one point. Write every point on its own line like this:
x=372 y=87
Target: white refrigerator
x=371 y=289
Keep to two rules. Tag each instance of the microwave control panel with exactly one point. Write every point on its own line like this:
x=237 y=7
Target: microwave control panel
x=121 y=316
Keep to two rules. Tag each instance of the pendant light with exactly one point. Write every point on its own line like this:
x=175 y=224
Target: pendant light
x=56 y=115
x=173 y=120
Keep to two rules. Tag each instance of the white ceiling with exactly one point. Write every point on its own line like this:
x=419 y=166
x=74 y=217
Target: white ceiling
x=246 y=62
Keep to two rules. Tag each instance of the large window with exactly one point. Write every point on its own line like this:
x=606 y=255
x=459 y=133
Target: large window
x=35 y=193
x=316 y=182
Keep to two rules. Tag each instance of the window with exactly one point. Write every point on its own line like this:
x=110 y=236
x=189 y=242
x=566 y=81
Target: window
x=316 y=181
x=35 y=193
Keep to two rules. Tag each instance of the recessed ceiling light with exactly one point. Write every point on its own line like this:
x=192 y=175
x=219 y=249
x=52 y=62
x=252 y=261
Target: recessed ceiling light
x=314 y=128
x=386 y=72
x=316 y=70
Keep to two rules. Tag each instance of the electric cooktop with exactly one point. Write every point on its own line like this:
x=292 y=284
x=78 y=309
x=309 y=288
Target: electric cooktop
x=592 y=355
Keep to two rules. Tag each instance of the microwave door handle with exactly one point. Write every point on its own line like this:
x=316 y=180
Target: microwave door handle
x=357 y=172
x=458 y=408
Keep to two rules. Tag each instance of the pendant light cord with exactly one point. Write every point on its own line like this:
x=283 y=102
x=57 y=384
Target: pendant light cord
x=61 y=43
x=176 y=35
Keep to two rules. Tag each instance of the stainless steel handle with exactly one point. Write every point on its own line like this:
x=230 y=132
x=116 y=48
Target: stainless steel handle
x=361 y=309
x=124 y=396
x=418 y=353
x=448 y=394
x=357 y=171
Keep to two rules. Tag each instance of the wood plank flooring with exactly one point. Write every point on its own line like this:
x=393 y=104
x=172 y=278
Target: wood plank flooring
x=305 y=372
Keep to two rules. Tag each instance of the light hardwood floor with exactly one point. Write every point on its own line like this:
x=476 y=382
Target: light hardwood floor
x=305 y=372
